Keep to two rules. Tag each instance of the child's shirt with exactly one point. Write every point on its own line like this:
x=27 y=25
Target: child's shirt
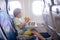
x=18 y=21
x=23 y=28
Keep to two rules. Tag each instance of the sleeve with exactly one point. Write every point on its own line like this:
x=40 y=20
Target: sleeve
x=17 y=22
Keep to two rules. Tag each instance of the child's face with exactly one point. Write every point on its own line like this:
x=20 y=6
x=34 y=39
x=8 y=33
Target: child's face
x=19 y=15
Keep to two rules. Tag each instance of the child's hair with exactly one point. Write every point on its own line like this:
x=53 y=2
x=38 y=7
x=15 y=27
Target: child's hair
x=16 y=11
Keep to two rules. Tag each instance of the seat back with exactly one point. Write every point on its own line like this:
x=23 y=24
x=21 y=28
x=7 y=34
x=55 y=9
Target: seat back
x=7 y=28
x=2 y=36
x=12 y=22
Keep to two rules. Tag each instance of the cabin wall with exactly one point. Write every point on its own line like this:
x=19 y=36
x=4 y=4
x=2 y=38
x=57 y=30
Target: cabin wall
x=26 y=8
x=27 y=11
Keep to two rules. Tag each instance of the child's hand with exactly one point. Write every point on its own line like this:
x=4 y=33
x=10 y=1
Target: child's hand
x=27 y=19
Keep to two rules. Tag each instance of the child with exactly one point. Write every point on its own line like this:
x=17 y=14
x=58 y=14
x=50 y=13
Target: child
x=19 y=24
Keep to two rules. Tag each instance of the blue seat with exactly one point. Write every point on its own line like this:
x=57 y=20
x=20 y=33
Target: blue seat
x=1 y=36
x=6 y=26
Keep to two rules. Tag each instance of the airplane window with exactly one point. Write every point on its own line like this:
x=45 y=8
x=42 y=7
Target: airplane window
x=13 y=5
x=55 y=9
x=57 y=1
x=37 y=7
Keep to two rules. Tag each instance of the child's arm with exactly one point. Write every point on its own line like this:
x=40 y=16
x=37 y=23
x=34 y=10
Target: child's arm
x=23 y=24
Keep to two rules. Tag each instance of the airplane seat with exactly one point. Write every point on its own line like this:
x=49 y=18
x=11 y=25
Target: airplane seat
x=1 y=37
x=12 y=22
x=6 y=25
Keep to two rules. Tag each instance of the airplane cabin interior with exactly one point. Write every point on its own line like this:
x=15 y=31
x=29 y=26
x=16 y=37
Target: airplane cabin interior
x=29 y=19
